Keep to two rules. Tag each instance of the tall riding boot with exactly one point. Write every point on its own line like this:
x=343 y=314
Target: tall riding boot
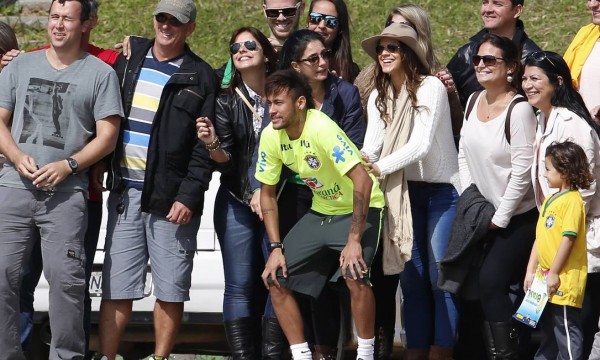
x=384 y=343
x=324 y=352
x=240 y=337
x=275 y=345
x=506 y=340
x=488 y=337
x=440 y=353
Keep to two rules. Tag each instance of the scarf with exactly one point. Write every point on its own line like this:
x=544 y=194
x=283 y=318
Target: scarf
x=397 y=228
x=579 y=50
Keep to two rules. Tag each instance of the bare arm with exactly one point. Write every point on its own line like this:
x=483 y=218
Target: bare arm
x=268 y=203
x=531 y=267
x=564 y=250
x=351 y=256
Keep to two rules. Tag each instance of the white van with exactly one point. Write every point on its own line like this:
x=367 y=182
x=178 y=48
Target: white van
x=202 y=328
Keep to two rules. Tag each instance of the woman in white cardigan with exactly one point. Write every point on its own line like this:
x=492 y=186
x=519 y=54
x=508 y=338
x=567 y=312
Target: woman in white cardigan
x=409 y=145
x=496 y=153
x=563 y=115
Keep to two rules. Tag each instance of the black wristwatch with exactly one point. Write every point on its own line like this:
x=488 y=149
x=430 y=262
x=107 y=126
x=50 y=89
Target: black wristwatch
x=73 y=165
x=276 y=245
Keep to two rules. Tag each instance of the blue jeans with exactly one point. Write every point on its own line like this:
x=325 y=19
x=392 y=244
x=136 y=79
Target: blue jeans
x=430 y=313
x=243 y=242
x=33 y=272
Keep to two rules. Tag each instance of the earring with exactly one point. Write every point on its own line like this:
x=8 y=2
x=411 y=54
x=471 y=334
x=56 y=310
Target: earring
x=509 y=78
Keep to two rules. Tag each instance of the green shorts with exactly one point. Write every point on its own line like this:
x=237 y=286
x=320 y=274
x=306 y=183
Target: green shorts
x=313 y=247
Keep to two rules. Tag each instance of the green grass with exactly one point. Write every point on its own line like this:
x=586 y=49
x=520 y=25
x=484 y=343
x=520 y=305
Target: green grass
x=551 y=24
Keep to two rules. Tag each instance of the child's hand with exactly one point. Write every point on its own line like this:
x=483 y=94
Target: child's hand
x=553 y=283
x=528 y=281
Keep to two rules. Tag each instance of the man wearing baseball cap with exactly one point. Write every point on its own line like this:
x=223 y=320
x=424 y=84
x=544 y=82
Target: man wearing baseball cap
x=158 y=176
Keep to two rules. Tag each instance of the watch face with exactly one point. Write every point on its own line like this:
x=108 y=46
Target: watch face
x=73 y=164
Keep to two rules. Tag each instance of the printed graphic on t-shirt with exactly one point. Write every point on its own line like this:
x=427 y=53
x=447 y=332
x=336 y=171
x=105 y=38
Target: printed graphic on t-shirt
x=44 y=121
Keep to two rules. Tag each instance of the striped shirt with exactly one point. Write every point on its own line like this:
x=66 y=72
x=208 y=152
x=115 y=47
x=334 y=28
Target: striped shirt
x=151 y=81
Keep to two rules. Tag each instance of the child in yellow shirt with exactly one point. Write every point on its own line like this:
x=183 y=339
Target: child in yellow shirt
x=560 y=251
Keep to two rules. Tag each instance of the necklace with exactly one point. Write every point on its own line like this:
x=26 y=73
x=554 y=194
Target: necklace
x=491 y=109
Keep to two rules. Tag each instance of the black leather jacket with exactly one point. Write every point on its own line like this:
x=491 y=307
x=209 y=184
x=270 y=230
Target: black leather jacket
x=178 y=166
x=461 y=64
x=234 y=126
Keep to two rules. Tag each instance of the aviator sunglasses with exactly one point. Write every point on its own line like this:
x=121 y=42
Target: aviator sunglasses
x=488 y=60
x=330 y=20
x=314 y=58
x=287 y=12
x=392 y=48
x=162 y=18
x=248 y=44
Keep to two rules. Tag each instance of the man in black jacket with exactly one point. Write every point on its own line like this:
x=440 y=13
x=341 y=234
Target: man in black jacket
x=158 y=177
x=500 y=17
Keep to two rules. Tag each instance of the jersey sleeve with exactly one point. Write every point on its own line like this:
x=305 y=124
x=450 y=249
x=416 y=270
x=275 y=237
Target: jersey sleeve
x=574 y=216
x=268 y=165
x=342 y=152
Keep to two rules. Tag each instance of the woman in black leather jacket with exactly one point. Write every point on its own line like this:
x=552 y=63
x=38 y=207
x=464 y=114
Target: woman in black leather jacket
x=240 y=115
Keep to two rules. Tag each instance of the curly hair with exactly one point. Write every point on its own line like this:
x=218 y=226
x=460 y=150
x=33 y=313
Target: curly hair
x=570 y=160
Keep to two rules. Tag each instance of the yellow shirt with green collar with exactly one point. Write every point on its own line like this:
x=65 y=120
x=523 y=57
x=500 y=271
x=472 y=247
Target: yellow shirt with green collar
x=562 y=215
x=321 y=156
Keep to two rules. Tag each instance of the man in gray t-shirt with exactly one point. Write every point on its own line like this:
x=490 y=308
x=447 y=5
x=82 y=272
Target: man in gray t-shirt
x=65 y=108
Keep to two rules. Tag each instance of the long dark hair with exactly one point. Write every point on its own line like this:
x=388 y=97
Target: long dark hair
x=414 y=71
x=8 y=39
x=294 y=46
x=564 y=94
x=341 y=61
x=268 y=51
x=511 y=55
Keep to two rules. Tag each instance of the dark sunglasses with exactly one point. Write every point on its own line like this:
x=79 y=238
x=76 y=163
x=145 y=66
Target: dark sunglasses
x=162 y=18
x=392 y=48
x=286 y=12
x=330 y=21
x=390 y=22
x=541 y=56
x=314 y=58
x=488 y=60
x=235 y=47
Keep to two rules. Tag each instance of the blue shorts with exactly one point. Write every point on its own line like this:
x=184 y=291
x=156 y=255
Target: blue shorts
x=135 y=237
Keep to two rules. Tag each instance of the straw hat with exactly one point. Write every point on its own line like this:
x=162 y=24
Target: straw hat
x=401 y=32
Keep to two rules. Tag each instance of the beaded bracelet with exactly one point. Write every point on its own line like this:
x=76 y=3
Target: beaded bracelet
x=214 y=145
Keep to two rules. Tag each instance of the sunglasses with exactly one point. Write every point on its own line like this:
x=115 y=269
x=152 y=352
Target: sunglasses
x=541 y=56
x=330 y=21
x=249 y=44
x=488 y=60
x=392 y=48
x=287 y=12
x=162 y=18
x=390 y=22
x=314 y=58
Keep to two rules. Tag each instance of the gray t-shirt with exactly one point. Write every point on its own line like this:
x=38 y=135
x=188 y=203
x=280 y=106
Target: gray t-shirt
x=55 y=111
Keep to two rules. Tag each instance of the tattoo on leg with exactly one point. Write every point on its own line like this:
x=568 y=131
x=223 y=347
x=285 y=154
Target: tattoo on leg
x=266 y=211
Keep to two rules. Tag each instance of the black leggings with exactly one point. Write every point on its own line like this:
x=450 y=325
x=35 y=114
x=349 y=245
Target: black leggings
x=505 y=264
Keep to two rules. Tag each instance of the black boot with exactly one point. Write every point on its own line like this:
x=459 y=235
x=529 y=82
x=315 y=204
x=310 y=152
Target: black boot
x=275 y=344
x=488 y=337
x=240 y=337
x=506 y=340
x=384 y=343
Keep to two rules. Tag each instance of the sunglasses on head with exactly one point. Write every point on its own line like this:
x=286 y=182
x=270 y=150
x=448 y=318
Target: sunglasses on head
x=248 y=44
x=390 y=22
x=541 y=56
x=162 y=18
x=392 y=48
x=314 y=58
x=330 y=21
x=287 y=12
x=488 y=60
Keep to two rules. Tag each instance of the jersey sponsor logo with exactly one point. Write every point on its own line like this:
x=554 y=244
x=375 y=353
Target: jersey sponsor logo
x=286 y=147
x=550 y=221
x=312 y=182
x=262 y=161
x=313 y=162
x=333 y=193
x=339 y=151
x=305 y=143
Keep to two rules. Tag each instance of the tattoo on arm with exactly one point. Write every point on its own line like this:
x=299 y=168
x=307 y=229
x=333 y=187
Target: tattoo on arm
x=358 y=215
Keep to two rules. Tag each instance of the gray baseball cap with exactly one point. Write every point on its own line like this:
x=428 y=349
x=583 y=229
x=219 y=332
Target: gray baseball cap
x=182 y=10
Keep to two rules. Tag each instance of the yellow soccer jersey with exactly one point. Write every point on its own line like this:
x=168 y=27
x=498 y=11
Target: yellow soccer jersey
x=321 y=156
x=564 y=215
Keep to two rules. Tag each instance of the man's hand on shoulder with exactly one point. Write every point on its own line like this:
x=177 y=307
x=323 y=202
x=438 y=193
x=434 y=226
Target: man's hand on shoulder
x=179 y=214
